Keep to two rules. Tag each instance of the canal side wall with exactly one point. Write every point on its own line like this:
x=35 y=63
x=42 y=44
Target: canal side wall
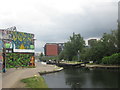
x=68 y=65
x=103 y=67
x=48 y=72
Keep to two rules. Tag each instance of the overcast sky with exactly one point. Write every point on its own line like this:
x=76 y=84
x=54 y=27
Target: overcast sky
x=55 y=20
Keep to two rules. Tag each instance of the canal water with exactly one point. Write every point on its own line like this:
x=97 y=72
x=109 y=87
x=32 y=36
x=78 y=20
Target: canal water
x=83 y=78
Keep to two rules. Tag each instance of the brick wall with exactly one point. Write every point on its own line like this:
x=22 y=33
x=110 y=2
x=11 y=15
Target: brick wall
x=51 y=50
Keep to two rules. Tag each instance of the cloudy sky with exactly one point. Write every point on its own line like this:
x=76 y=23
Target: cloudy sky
x=56 y=20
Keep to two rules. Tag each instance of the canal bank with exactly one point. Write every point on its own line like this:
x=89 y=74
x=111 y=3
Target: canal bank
x=11 y=79
x=38 y=81
x=103 y=66
x=53 y=71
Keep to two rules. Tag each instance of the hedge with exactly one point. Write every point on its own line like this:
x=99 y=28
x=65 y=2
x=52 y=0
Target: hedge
x=113 y=59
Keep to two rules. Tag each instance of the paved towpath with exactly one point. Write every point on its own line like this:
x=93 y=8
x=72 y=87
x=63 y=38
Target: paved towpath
x=11 y=79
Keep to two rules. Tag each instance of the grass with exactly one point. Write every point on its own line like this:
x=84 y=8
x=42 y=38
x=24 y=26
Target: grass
x=35 y=82
x=72 y=62
x=91 y=63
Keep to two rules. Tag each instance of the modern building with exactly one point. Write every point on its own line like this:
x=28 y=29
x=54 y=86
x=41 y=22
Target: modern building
x=17 y=48
x=91 y=41
x=53 y=49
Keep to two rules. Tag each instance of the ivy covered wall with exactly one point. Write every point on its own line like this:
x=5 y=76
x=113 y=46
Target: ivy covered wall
x=14 y=60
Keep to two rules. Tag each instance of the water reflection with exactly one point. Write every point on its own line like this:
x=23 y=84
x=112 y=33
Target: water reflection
x=105 y=78
x=76 y=78
x=83 y=78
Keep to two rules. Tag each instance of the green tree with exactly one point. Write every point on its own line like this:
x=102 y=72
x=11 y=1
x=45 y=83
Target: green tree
x=110 y=43
x=61 y=55
x=71 y=47
x=41 y=55
x=106 y=46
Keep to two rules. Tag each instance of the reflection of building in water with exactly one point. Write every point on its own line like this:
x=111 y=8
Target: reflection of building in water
x=17 y=47
x=53 y=49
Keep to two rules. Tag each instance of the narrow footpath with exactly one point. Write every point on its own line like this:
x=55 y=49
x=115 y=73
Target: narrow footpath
x=11 y=79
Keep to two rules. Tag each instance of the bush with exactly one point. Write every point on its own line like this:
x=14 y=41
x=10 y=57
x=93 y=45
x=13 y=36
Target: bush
x=75 y=58
x=113 y=59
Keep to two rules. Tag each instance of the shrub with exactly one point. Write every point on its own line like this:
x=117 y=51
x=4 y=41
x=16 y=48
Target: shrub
x=113 y=59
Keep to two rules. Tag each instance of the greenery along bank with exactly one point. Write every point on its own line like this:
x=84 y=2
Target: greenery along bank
x=103 y=51
x=113 y=59
x=35 y=82
x=99 y=51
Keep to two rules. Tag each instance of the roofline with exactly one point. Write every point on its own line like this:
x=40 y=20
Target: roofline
x=14 y=31
x=54 y=43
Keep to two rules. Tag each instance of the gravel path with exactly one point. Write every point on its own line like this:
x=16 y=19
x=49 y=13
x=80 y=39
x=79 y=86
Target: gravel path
x=11 y=79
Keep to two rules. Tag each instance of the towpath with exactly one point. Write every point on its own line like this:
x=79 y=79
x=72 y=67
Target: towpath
x=11 y=79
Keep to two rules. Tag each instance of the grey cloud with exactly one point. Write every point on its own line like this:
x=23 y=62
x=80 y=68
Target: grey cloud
x=93 y=22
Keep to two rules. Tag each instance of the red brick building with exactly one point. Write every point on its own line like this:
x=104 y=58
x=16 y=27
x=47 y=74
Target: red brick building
x=53 y=49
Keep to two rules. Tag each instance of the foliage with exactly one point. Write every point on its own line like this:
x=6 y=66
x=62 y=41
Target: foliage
x=41 y=55
x=71 y=62
x=113 y=59
x=61 y=55
x=106 y=46
x=46 y=58
x=85 y=54
x=35 y=82
x=71 y=47
x=75 y=58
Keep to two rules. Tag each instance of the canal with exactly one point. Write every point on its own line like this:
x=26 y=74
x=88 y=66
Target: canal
x=83 y=78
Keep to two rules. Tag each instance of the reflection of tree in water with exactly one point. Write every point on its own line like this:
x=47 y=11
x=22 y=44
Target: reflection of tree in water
x=75 y=77
x=105 y=78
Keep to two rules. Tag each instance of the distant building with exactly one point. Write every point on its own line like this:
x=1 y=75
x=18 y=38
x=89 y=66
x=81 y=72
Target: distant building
x=53 y=49
x=91 y=41
x=17 y=48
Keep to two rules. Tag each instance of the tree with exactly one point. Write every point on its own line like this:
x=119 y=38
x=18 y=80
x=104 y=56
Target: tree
x=61 y=55
x=110 y=43
x=41 y=55
x=106 y=46
x=71 y=47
